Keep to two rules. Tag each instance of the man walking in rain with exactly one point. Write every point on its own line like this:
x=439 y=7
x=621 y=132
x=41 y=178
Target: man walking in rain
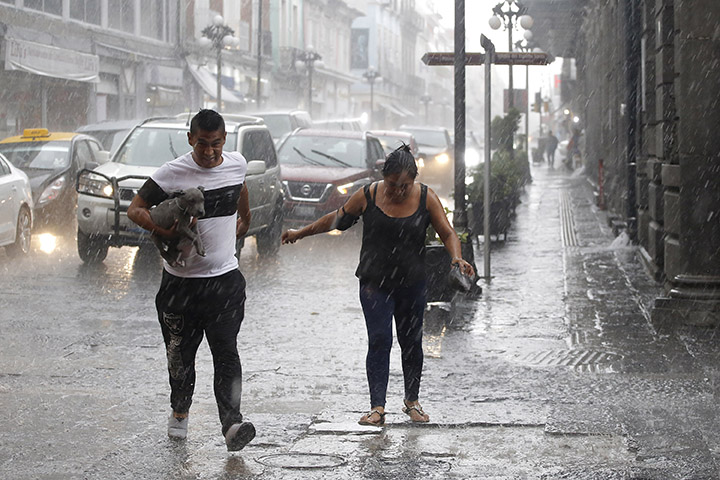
x=551 y=144
x=204 y=295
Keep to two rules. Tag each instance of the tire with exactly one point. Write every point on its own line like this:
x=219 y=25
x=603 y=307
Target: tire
x=92 y=248
x=23 y=235
x=268 y=241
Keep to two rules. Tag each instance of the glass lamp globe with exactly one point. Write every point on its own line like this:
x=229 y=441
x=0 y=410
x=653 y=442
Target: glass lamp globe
x=526 y=22
x=495 y=22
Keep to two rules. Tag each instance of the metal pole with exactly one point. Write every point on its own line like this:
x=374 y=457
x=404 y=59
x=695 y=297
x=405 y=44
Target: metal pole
x=219 y=78
x=527 y=115
x=310 y=74
x=372 y=102
x=460 y=219
x=259 y=53
x=511 y=100
x=489 y=52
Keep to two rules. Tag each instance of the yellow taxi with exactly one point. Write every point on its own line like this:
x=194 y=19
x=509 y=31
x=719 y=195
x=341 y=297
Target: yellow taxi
x=52 y=161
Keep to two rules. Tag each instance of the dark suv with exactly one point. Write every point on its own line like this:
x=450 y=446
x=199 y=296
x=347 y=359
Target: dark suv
x=322 y=168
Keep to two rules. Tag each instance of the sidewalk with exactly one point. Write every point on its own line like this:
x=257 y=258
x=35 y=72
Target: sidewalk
x=555 y=372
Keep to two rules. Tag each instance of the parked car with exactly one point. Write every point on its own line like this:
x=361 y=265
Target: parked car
x=110 y=134
x=435 y=154
x=52 y=161
x=322 y=168
x=392 y=139
x=16 y=205
x=105 y=193
x=349 y=124
x=282 y=123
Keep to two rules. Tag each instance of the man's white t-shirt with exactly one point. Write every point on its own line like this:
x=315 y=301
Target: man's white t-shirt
x=222 y=185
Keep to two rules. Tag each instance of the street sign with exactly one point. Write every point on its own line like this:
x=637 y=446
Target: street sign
x=477 y=58
x=448 y=58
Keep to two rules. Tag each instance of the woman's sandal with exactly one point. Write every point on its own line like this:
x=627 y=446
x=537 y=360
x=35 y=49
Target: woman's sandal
x=365 y=419
x=408 y=410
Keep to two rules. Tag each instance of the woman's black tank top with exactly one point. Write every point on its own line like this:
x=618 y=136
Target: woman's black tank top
x=393 y=249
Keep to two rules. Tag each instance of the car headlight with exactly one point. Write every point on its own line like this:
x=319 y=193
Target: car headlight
x=345 y=189
x=442 y=158
x=420 y=161
x=52 y=191
x=94 y=185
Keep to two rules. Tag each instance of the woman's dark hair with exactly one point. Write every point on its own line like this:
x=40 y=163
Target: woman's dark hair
x=208 y=120
x=400 y=160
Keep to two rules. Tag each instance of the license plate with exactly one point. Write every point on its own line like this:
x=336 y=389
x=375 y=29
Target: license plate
x=304 y=211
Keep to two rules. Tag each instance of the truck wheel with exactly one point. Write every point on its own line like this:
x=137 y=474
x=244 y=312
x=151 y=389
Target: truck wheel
x=91 y=248
x=268 y=241
x=23 y=235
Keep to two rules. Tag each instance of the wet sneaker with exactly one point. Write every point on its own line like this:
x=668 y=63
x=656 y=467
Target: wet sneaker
x=239 y=435
x=177 y=427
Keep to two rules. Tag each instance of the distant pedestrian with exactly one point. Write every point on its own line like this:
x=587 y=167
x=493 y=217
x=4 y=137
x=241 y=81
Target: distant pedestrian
x=396 y=212
x=204 y=296
x=551 y=144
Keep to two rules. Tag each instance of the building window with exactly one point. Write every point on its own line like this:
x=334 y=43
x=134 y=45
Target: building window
x=121 y=15
x=87 y=11
x=151 y=20
x=53 y=7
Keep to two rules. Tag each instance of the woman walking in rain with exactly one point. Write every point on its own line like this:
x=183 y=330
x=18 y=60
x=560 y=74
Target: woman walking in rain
x=396 y=212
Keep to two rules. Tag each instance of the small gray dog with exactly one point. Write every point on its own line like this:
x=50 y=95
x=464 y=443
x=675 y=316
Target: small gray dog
x=181 y=207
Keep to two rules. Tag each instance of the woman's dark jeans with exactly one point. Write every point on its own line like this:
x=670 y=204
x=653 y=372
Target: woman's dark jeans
x=407 y=305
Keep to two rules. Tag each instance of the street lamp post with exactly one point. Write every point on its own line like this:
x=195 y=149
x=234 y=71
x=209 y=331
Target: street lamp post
x=426 y=99
x=528 y=46
x=307 y=59
x=515 y=12
x=218 y=36
x=371 y=75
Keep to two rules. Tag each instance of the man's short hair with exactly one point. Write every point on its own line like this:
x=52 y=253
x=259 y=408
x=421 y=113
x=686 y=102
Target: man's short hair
x=208 y=120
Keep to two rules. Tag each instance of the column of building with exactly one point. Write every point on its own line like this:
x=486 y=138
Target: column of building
x=691 y=178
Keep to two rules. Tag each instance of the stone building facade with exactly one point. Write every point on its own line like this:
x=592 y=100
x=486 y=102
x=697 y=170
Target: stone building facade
x=648 y=82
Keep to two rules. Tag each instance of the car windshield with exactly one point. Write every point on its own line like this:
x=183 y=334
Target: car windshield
x=323 y=151
x=429 y=138
x=38 y=155
x=278 y=125
x=153 y=146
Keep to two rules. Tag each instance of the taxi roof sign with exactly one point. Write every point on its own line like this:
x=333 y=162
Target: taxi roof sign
x=35 y=132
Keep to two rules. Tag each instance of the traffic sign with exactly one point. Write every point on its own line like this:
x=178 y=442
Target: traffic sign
x=448 y=58
x=477 y=58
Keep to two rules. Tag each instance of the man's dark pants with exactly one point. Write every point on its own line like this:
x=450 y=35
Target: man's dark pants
x=189 y=308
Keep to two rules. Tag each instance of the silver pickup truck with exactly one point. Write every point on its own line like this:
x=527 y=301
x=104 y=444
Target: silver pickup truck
x=105 y=192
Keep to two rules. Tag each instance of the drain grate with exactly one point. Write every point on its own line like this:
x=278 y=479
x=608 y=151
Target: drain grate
x=567 y=223
x=570 y=358
x=300 y=460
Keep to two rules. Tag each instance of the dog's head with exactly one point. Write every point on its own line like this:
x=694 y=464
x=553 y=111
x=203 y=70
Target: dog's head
x=192 y=201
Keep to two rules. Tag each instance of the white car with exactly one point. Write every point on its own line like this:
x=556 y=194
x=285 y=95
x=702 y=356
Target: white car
x=16 y=206
x=105 y=192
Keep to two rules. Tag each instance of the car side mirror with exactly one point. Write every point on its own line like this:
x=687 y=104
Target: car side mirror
x=103 y=156
x=91 y=165
x=256 y=167
x=379 y=163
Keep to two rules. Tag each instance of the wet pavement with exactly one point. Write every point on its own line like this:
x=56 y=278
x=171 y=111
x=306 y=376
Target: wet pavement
x=554 y=372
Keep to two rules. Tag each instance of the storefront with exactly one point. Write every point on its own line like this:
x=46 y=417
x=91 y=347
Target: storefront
x=44 y=85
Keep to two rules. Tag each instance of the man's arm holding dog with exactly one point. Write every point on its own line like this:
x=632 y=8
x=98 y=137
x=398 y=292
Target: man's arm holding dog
x=139 y=212
x=243 y=210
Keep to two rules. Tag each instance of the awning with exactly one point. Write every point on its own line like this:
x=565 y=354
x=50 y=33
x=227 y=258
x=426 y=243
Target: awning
x=49 y=61
x=392 y=109
x=208 y=82
x=405 y=111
